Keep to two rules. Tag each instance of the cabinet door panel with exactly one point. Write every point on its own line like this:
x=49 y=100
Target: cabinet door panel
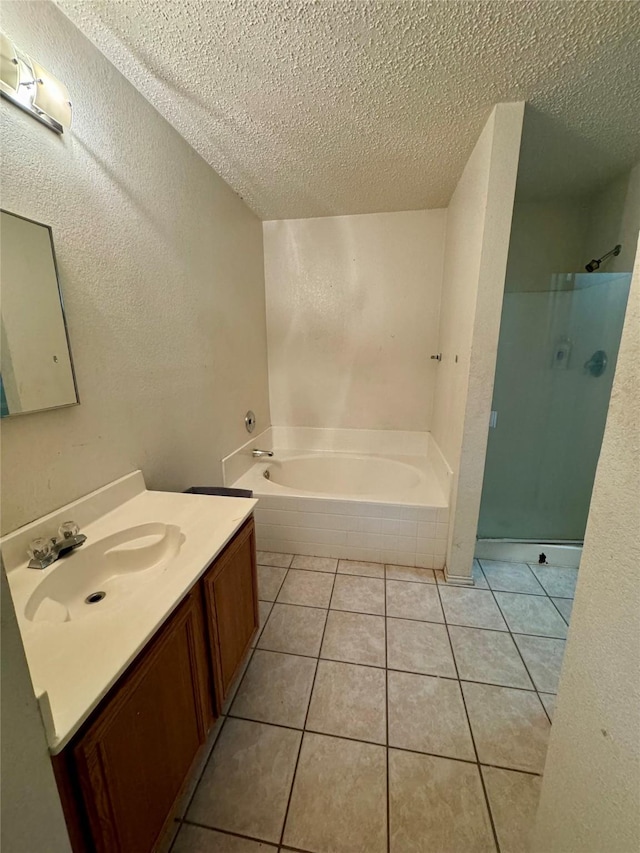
x=134 y=759
x=232 y=605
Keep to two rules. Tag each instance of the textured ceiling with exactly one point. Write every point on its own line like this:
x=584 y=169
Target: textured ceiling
x=347 y=106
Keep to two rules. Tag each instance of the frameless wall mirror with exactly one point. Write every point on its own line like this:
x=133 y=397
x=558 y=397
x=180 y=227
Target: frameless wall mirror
x=36 y=371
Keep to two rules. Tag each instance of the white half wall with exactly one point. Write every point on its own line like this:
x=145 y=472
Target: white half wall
x=161 y=270
x=590 y=798
x=352 y=318
x=475 y=260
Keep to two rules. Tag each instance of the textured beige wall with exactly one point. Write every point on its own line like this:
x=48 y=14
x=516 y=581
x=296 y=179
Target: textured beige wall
x=547 y=238
x=162 y=273
x=352 y=317
x=590 y=798
x=614 y=217
x=476 y=248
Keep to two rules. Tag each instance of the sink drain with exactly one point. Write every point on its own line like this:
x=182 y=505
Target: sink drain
x=95 y=597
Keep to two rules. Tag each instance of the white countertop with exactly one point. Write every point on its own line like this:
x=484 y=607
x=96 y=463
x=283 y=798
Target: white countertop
x=75 y=663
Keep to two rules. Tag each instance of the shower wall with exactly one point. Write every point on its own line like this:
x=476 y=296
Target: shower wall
x=551 y=409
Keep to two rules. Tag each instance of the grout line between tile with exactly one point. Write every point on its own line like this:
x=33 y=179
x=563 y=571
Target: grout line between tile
x=306 y=717
x=473 y=740
x=407 y=671
x=524 y=663
x=253 y=838
x=224 y=718
x=407 y=619
x=562 y=616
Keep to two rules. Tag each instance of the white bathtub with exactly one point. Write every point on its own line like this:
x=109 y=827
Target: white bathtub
x=342 y=502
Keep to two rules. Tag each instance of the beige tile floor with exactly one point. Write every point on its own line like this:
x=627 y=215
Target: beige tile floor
x=385 y=711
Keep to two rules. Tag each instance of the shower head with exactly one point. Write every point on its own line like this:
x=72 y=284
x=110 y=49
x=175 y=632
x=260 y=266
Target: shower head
x=594 y=264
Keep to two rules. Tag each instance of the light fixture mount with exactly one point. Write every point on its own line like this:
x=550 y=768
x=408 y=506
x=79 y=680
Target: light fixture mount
x=28 y=85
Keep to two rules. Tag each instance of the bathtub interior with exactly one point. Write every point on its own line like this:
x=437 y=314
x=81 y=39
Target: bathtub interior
x=364 y=503
x=342 y=474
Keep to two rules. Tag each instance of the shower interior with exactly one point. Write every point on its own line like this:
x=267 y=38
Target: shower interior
x=556 y=359
x=557 y=351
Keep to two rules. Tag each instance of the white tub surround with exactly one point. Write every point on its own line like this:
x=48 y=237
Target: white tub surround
x=352 y=318
x=354 y=494
x=73 y=664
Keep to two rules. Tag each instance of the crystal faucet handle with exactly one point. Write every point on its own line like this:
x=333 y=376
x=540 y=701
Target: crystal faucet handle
x=68 y=529
x=40 y=549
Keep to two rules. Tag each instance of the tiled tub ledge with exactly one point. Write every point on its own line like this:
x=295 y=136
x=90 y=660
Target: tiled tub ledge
x=400 y=516
x=353 y=530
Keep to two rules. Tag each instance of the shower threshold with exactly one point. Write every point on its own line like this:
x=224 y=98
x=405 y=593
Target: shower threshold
x=529 y=551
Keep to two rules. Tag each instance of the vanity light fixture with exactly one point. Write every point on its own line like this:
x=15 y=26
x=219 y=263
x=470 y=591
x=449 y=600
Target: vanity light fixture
x=31 y=87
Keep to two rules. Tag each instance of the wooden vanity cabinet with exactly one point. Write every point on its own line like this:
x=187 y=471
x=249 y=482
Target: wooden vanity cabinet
x=132 y=760
x=122 y=775
x=231 y=598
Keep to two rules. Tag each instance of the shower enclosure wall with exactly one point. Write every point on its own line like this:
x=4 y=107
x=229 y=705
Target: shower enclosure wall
x=571 y=251
x=556 y=359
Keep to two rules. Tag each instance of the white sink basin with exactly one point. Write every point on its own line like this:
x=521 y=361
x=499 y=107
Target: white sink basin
x=103 y=574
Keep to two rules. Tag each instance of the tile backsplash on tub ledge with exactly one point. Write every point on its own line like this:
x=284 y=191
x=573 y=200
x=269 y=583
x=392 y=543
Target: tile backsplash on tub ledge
x=351 y=529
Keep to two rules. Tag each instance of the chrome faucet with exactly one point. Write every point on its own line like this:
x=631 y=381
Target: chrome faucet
x=44 y=552
x=259 y=453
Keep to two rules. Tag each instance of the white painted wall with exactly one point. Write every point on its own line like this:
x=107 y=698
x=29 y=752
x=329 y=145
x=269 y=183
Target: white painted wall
x=32 y=817
x=590 y=798
x=352 y=318
x=477 y=242
x=162 y=274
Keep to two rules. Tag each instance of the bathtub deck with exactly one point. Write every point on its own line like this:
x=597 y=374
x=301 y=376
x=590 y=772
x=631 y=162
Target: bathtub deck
x=410 y=530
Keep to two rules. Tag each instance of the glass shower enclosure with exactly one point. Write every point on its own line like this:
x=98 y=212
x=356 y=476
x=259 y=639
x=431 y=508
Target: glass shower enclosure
x=556 y=359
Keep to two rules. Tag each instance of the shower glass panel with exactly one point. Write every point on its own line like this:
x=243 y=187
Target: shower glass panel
x=556 y=359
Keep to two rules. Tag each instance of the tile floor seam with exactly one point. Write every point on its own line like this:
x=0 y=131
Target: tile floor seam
x=478 y=560
x=562 y=616
x=224 y=718
x=430 y=621
x=531 y=689
x=350 y=739
x=473 y=740
x=524 y=663
x=306 y=716
x=253 y=838
x=386 y=709
x=368 y=743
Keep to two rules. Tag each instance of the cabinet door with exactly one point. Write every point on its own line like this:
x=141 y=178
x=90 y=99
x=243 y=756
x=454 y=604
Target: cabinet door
x=133 y=760
x=231 y=592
